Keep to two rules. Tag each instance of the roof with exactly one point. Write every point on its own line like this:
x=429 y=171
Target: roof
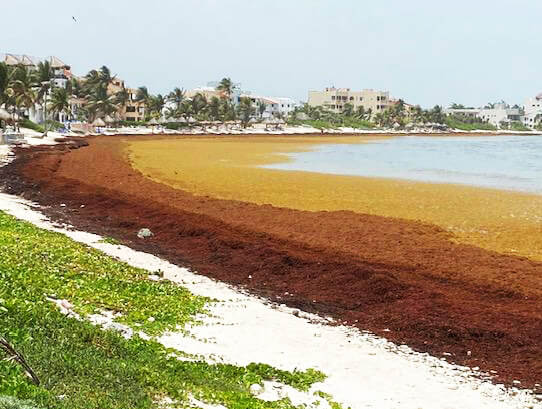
x=57 y=62
x=11 y=59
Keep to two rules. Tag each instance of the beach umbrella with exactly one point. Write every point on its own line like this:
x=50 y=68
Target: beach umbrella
x=109 y=120
x=182 y=120
x=98 y=122
x=153 y=121
x=191 y=120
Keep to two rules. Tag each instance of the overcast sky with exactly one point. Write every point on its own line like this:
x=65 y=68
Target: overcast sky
x=425 y=51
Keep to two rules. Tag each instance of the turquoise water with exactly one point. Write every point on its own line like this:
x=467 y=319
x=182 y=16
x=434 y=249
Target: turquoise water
x=502 y=162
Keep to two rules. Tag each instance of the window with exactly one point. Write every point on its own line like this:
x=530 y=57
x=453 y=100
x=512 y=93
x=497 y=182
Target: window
x=130 y=109
x=333 y=97
x=351 y=98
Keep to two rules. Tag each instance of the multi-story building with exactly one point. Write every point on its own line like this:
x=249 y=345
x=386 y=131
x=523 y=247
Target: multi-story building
x=499 y=114
x=533 y=111
x=495 y=115
x=61 y=72
x=334 y=99
x=280 y=106
x=133 y=110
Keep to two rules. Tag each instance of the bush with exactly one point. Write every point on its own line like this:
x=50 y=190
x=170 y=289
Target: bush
x=457 y=123
x=518 y=126
x=27 y=123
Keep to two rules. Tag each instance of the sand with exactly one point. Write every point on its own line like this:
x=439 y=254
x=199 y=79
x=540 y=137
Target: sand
x=227 y=168
x=363 y=371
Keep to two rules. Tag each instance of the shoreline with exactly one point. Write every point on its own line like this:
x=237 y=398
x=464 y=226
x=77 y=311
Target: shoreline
x=499 y=220
x=244 y=329
x=372 y=272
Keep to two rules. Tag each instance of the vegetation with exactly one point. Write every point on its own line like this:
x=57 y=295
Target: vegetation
x=468 y=124
x=27 y=123
x=83 y=366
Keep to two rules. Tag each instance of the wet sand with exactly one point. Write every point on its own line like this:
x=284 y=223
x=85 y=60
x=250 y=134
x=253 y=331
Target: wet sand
x=413 y=282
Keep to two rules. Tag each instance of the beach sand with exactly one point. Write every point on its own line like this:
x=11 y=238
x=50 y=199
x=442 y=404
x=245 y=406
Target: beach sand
x=503 y=221
x=411 y=282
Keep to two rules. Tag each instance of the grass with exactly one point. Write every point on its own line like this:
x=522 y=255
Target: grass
x=83 y=366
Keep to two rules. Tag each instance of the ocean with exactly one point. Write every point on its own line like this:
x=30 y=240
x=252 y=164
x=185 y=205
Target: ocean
x=511 y=162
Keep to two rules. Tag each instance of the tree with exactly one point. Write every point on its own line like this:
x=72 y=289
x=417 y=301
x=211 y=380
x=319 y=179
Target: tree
x=156 y=104
x=199 y=102
x=246 y=110
x=176 y=96
x=214 y=109
x=261 y=108
x=348 y=109
x=21 y=89
x=60 y=101
x=226 y=86
x=4 y=80
x=100 y=104
x=122 y=98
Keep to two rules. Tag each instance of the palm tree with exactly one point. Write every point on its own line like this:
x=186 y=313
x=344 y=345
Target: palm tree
x=121 y=99
x=143 y=96
x=60 y=101
x=155 y=104
x=185 y=110
x=261 y=108
x=100 y=104
x=199 y=102
x=4 y=80
x=226 y=86
x=105 y=76
x=214 y=108
x=176 y=96
x=246 y=110
x=348 y=109
x=21 y=89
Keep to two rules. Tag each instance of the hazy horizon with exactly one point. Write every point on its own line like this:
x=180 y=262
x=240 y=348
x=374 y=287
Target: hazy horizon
x=424 y=52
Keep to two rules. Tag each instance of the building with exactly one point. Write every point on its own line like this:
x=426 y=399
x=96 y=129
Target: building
x=533 y=111
x=274 y=107
x=495 y=115
x=61 y=71
x=499 y=114
x=133 y=110
x=334 y=99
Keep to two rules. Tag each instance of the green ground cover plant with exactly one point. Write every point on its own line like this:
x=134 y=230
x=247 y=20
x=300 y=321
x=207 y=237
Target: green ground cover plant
x=84 y=366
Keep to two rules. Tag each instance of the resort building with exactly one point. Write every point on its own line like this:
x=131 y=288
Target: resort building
x=61 y=71
x=274 y=107
x=533 y=111
x=496 y=115
x=500 y=114
x=133 y=110
x=335 y=99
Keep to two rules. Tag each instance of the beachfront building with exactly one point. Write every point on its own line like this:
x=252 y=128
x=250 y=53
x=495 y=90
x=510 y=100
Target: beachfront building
x=273 y=107
x=499 y=114
x=61 y=71
x=494 y=114
x=334 y=99
x=533 y=111
x=133 y=110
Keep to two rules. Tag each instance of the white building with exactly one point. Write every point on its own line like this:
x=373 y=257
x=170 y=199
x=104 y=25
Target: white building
x=533 y=111
x=500 y=113
x=280 y=106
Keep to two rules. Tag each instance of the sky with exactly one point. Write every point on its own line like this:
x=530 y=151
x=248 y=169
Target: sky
x=426 y=52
